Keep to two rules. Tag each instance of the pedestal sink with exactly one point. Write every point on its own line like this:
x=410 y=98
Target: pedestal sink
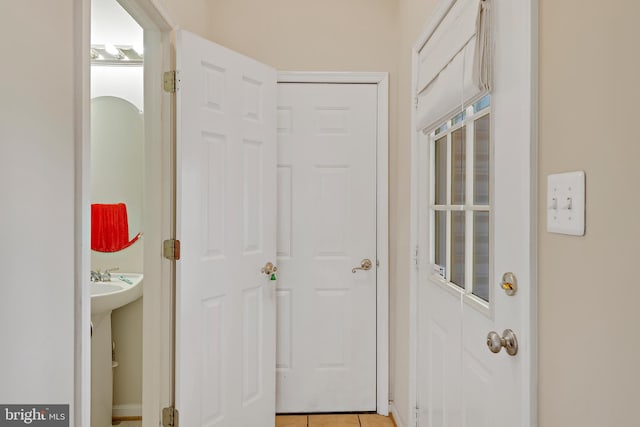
x=105 y=297
x=120 y=290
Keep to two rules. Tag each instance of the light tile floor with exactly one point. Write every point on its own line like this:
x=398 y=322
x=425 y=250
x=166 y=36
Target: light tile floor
x=341 y=420
x=330 y=420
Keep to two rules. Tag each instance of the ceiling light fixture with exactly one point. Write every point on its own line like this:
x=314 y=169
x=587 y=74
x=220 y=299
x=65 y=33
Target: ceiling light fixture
x=112 y=50
x=109 y=54
x=139 y=48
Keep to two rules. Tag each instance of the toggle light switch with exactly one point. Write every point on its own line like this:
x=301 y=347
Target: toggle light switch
x=566 y=202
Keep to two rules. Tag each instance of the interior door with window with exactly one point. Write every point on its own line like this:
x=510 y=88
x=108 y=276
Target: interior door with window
x=475 y=234
x=226 y=207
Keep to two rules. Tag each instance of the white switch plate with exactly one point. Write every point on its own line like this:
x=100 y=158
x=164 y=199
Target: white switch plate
x=566 y=203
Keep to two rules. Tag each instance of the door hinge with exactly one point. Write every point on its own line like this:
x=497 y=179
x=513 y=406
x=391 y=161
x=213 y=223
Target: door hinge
x=170 y=81
x=417 y=422
x=171 y=249
x=415 y=256
x=415 y=102
x=170 y=417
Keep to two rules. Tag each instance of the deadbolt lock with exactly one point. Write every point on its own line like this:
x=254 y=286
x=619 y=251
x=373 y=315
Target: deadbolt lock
x=509 y=284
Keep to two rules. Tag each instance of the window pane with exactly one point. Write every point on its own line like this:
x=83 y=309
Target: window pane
x=441 y=239
x=458 y=158
x=482 y=103
x=442 y=128
x=457 y=248
x=481 y=255
x=441 y=171
x=457 y=119
x=481 y=161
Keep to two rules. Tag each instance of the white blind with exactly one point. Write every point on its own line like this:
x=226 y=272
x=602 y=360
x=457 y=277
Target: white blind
x=455 y=63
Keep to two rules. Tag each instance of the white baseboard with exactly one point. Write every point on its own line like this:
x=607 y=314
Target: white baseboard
x=128 y=410
x=396 y=415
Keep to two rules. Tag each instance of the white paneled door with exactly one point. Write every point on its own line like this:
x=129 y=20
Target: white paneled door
x=326 y=328
x=226 y=205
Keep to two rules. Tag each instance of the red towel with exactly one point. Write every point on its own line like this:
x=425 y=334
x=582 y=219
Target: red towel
x=110 y=228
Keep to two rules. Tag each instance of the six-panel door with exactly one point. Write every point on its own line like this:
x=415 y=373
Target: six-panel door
x=226 y=205
x=326 y=359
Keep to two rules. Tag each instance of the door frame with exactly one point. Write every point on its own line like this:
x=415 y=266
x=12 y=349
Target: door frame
x=381 y=79
x=157 y=381
x=528 y=116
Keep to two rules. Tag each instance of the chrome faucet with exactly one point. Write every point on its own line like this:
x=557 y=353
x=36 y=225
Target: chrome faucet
x=106 y=276
x=97 y=276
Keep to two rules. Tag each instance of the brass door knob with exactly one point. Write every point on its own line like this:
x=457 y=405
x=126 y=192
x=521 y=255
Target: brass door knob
x=269 y=269
x=365 y=265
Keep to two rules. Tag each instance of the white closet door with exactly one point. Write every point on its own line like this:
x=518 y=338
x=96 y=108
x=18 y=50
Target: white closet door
x=326 y=360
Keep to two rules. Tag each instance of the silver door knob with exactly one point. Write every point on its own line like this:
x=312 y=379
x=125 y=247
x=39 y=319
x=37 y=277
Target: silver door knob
x=365 y=265
x=268 y=269
x=508 y=340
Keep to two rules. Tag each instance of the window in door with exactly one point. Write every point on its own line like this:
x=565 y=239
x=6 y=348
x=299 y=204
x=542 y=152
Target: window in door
x=460 y=203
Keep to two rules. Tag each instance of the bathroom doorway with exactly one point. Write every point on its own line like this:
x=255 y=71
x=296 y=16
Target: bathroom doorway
x=130 y=178
x=117 y=188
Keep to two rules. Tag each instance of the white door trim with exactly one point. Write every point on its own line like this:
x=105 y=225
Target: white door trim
x=528 y=110
x=81 y=408
x=156 y=376
x=382 y=211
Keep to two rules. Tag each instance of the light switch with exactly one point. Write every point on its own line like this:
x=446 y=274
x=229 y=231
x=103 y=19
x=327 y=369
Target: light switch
x=566 y=203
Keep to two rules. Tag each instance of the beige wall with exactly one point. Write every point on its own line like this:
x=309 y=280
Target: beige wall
x=331 y=35
x=38 y=215
x=192 y=15
x=588 y=297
